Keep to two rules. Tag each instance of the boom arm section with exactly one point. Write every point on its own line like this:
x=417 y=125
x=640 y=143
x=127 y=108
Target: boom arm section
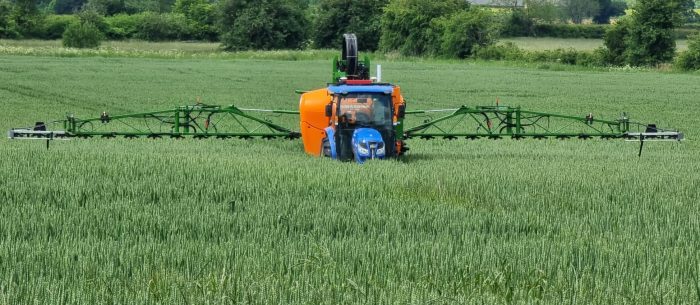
x=198 y=121
x=497 y=122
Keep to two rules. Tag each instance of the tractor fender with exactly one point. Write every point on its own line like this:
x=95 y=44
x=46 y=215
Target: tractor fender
x=330 y=136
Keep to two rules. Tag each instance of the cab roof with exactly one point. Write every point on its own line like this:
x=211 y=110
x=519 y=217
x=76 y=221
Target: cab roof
x=344 y=89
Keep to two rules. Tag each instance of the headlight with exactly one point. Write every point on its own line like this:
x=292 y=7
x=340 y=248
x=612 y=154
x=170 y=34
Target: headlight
x=381 y=149
x=362 y=150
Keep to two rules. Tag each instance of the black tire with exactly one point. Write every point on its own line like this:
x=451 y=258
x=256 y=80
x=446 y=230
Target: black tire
x=326 y=148
x=350 y=54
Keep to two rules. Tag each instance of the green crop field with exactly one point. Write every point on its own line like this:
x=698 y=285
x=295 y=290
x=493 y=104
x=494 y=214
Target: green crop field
x=259 y=222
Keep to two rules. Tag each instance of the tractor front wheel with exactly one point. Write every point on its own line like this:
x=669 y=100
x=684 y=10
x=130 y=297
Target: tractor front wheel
x=326 y=148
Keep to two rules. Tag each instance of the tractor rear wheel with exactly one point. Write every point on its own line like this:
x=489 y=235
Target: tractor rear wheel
x=349 y=54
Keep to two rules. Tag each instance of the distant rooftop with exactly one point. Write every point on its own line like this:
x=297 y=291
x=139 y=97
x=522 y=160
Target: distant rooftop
x=499 y=3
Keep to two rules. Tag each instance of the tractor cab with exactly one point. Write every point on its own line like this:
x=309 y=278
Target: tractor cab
x=361 y=122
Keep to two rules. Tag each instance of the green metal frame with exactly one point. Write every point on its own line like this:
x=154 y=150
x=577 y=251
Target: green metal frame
x=199 y=121
x=205 y=121
x=497 y=122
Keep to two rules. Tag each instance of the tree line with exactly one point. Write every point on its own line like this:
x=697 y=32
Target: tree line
x=446 y=28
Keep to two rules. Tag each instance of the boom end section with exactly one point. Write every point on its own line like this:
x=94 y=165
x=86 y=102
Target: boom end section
x=28 y=134
x=655 y=136
x=38 y=132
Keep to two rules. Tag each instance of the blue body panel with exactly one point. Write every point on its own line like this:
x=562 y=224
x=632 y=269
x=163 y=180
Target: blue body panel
x=367 y=137
x=341 y=89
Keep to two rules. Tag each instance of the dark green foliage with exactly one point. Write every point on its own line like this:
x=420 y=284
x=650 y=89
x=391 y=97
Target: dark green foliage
x=688 y=30
x=109 y=7
x=7 y=25
x=685 y=8
x=615 y=41
x=82 y=35
x=543 y=11
x=518 y=24
x=506 y=51
x=408 y=25
x=161 y=27
x=445 y=28
x=262 y=25
x=159 y=6
x=26 y=18
x=337 y=17
x=113 y=7
x=693 y=17
x=464 y=31
x=647 y=37
x=124 y=26
x=509 y=51
x=650 y=39
x=555 y=30
x=593 y=31
x=150 y=26
x=67 y=6
x=87 y=31
x=691 y=26
x=608 y=9
x=200 y=15
x=685 y=32
x=690 y=60
x=54 y=26
x=200 y=11
x=521 y=24
x=92 y=16
x=578 y=10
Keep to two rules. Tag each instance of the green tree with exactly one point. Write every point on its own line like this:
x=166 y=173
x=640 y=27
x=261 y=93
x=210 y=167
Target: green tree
x=262 y=24
x=87 y=32
x=651 y=40
x=690 y=60
x=337 y=17
x=165 y=26
x=89 y=15
x=518 y=24
x=113 y=7
x=67 y=6
x=465 y=31
x=608 y=9
x=408 y=25
x=647 y=37
x=542 y=10
x=521 y=21
x=200 y=15
x=578 y=10
x=82 y=35
x=615 y=42
x=25 y=16
x=7 y=28
x=108 y=7
x=159 y=6
x=687 y=10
